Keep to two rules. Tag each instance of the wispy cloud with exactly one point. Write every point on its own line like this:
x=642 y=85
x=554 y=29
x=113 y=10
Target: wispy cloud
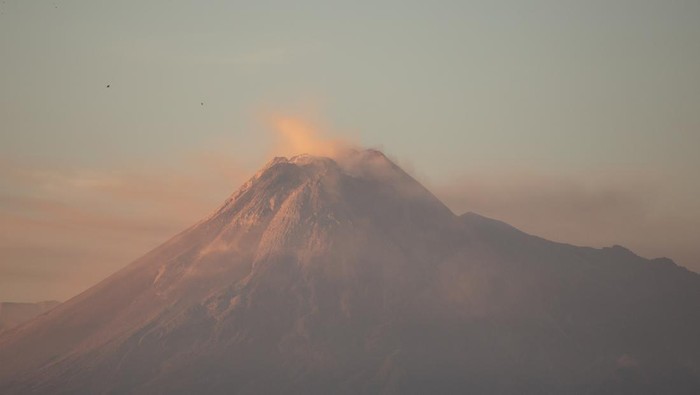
x=297 y=136
x=90 y=222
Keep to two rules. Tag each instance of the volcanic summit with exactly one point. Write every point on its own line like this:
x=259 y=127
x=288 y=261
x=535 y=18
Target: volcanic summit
x=345 y=275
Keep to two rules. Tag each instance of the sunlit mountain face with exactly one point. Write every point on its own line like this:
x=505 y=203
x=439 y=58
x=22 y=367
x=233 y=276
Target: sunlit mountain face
x=343 y=274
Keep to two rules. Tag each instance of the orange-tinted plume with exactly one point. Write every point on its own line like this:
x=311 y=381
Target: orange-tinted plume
x=300 y=137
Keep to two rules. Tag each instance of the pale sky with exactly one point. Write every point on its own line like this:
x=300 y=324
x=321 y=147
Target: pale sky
x=578 y=121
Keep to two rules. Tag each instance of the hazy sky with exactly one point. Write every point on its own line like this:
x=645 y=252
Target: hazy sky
x=577 y=121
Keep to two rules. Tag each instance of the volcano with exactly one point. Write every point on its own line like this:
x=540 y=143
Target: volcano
x=345 y=275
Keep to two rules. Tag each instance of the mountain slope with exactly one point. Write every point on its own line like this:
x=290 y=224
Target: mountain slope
x=347 y=276
x=15 y=313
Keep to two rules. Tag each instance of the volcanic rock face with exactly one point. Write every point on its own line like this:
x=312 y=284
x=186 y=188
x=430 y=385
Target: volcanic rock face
x=347 y=276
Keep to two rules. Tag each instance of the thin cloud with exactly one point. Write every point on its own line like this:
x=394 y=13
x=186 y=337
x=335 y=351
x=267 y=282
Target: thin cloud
x=88 y=223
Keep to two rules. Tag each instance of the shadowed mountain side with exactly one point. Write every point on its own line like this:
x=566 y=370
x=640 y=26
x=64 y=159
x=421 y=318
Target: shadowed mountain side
x=345 y=275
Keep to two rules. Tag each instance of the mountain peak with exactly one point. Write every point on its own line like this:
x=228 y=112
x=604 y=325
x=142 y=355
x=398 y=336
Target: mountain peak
x=307 y=184
x=349 y=160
